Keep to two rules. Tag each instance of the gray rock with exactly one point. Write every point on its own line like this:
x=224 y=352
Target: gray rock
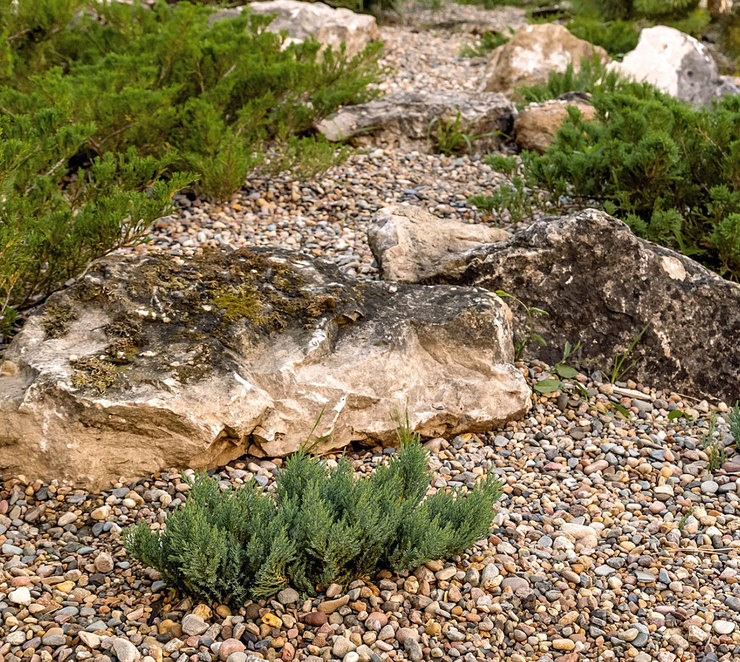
x=598 y=281
x=288 y=596
x=342 y=646
x=11 y=550
x=413 y=650
x=193 y=625
x=54 y=637
x=675 y=63
x=412 y=120
x=155 y=364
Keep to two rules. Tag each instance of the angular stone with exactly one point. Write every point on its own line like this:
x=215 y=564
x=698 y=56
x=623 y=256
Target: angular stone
x=675 y=63
x=125 y=651
x=415 y=120
x=600 y=282
x=537 y=125
x=193 y=625
x=165 y=365
x=532 y=53
x=410 y=244
x=20 y=596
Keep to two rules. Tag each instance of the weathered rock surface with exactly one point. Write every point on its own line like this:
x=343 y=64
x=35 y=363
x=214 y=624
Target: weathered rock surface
x=148 y=363
x=601 y=285
x=411 y=244
x=675 y=63
x=415 y=120
x=536 y=125
x=329 y=26
x=532 y=53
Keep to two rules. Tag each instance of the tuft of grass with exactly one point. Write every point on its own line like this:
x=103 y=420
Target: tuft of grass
x=488 y=41
x=713 y=446
x=734 y=421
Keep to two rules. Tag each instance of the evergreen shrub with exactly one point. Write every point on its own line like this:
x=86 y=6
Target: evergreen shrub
x=668 y=169
x=318 y=526
x=107 y=109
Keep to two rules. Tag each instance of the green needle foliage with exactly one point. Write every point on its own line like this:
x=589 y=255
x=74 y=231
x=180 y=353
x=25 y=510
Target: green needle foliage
x=104 y=106
x=318 y=526
x=669 y=170
x=734 y=420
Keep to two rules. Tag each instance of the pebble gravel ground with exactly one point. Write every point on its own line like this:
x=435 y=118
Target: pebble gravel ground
x=614 y=539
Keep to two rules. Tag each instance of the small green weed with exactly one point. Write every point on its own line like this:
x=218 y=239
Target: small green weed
x=713 y=446
x=734 y=421
x=685 y=518
x=620 y=367
x=521 y=343
x=450 y=138
x=488 y=41
x=514 y=198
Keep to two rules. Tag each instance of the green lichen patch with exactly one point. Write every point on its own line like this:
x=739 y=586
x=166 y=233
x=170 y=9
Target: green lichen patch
x=126 y=339
x=195 y=316
x=57 y=318
x=94 y=373
x=198 y=366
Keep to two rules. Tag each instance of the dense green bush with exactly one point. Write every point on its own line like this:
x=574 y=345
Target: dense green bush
x=668 y=169
x=318 y=526
x=103 y=105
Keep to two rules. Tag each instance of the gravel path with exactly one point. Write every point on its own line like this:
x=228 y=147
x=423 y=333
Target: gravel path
x=328 y=215
x=614 y=540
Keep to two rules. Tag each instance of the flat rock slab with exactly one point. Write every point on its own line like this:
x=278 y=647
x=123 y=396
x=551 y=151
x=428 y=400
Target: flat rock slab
x=418 y=120
x=676 y=64
x=150 y=363
x=472 y=19
x=601 y=285
x=411 y=245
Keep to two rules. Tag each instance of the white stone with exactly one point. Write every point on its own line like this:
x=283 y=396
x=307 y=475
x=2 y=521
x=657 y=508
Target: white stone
x=329 y=26
x=675 y=63
x=723 y=627
x=20 y=596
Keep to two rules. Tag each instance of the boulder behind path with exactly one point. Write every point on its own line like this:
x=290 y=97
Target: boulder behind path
x=601 y=285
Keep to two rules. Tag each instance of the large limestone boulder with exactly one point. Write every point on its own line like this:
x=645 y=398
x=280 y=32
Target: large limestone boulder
x=417 y=121
x=148 y=362
x=675 y=63
x=601 y=285
x=536 y=126
x=532 y=53
x=410 y=244
x=329 y=26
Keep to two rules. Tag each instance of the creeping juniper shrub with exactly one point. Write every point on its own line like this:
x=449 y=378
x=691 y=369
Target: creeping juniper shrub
x=671 y=171
x=318 y=526
x=104 y=106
